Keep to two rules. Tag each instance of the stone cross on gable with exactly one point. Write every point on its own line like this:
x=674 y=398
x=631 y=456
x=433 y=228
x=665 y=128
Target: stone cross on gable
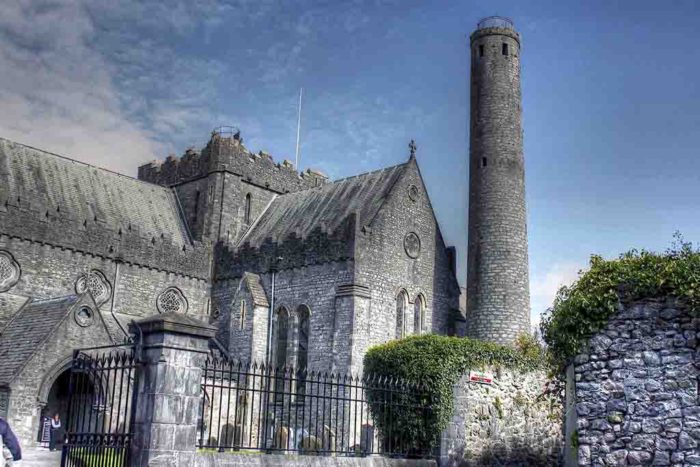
x=412 y=146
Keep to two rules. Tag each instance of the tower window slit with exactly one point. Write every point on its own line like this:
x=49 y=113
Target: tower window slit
x=481 y=51
x=483 y=162
x=504 y=49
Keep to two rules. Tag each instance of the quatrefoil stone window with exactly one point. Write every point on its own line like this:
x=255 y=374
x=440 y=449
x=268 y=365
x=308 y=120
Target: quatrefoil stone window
x=9 y=271
x=171 y=300
x=97 y=284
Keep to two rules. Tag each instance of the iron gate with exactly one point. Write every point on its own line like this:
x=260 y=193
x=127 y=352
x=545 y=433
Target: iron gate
x=101 y=404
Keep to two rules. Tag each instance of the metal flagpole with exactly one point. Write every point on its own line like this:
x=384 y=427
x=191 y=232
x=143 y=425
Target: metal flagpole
x=298 y=130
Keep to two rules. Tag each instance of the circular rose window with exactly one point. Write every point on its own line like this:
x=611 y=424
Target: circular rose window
x=411 y=243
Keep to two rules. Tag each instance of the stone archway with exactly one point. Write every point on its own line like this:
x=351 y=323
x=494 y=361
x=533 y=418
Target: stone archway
x=56 y=393
x=56 y=400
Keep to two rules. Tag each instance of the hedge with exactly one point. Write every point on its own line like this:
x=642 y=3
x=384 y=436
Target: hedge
x=435 y=363
x=585 y=307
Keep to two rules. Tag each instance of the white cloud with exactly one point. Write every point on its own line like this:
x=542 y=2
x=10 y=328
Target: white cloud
x=56 y=92
x=116 y=84
x=544 y=287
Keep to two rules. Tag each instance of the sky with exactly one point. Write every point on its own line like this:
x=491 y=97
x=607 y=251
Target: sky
x=611 y=98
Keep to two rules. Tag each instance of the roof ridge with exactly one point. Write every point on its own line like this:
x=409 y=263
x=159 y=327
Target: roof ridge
x=52 y=299
x=363 y=174
x=344 y=179
x=44 y=151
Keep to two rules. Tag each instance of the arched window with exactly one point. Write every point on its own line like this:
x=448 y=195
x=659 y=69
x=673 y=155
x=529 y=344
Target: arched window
x=419 y=315
x=247 y=209
x=280 y=334
x=303 y=345
x=279 y=357
x=401 y=306
x=304 y=317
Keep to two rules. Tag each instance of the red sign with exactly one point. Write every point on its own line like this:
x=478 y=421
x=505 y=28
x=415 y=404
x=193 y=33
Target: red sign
x=479 y=377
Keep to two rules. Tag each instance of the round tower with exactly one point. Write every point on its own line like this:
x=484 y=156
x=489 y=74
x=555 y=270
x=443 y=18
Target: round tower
x=498 y=297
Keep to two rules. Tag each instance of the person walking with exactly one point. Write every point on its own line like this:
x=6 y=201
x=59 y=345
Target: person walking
x=55 y=427
x=9 y=441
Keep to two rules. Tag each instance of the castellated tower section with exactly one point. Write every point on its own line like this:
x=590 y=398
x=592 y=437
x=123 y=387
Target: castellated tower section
x=223 y=188
x=498 y=298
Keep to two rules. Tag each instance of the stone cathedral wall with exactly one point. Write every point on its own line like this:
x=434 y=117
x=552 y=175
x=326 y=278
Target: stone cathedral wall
x=386 y=266
x=314 y=286
x=53 y=271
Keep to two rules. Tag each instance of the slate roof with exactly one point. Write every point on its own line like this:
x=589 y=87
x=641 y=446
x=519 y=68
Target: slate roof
x=326 y=206
x=9 y=304
x=27 y=330
x=48 y=181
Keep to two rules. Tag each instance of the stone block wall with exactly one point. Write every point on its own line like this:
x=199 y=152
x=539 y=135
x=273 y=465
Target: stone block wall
x=388 y=267
x=508 y=423
x=49 y=271
x=636 y=388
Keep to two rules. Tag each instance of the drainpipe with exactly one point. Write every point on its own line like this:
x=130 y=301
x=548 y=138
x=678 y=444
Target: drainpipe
x=268 y=350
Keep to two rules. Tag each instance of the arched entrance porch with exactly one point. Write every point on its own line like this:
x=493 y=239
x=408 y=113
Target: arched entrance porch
x=55 y=396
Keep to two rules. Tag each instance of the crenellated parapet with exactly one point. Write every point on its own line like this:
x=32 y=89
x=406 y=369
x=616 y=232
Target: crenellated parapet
x=225 y=152
x=293 y=251
x=26 y=222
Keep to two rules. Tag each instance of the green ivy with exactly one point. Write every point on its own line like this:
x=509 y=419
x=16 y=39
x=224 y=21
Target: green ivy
x=585 y=307
x=435 y=363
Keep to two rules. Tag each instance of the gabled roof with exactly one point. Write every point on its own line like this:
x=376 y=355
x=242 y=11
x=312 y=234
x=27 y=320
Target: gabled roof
x=32 y=326
x=9 y=305
x=256 y=289
x=49 y=183
x=29 y=327
x=326 y=206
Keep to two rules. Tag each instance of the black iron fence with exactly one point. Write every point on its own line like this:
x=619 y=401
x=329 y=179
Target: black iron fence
x=261 y=408
x=100 y=408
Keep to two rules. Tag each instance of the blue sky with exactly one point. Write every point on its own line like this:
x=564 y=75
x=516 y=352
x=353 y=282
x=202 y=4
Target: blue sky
x=610 y=101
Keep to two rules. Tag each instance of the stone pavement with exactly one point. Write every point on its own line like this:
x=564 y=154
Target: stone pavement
x=39 y=457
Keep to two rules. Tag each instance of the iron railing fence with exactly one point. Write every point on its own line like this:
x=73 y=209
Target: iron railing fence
x=102 y=399
x=262 y=408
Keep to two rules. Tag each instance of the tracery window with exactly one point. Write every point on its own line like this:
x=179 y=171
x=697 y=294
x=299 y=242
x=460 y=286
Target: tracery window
x=401 y=306
x=419 y=315
x=96 y=283
x=171 y=300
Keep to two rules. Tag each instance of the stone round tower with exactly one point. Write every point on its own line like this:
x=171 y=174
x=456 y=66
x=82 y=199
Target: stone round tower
x=498 y=297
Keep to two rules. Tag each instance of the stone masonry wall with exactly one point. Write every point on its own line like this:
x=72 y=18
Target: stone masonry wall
x=47 y=272
x=636 y=388
x=385 y=266
x=314 y=286
x=497 y=266
x=227 y=154
x=508 y=423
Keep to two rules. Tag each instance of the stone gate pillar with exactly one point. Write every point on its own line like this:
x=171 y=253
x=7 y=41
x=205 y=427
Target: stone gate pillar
x=168 y=394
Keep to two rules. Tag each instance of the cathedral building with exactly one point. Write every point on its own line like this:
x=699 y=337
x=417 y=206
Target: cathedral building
x=291 y=267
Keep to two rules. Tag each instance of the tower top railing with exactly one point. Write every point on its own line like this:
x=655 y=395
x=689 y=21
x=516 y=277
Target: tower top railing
x=226 y=131
x=496 y=22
